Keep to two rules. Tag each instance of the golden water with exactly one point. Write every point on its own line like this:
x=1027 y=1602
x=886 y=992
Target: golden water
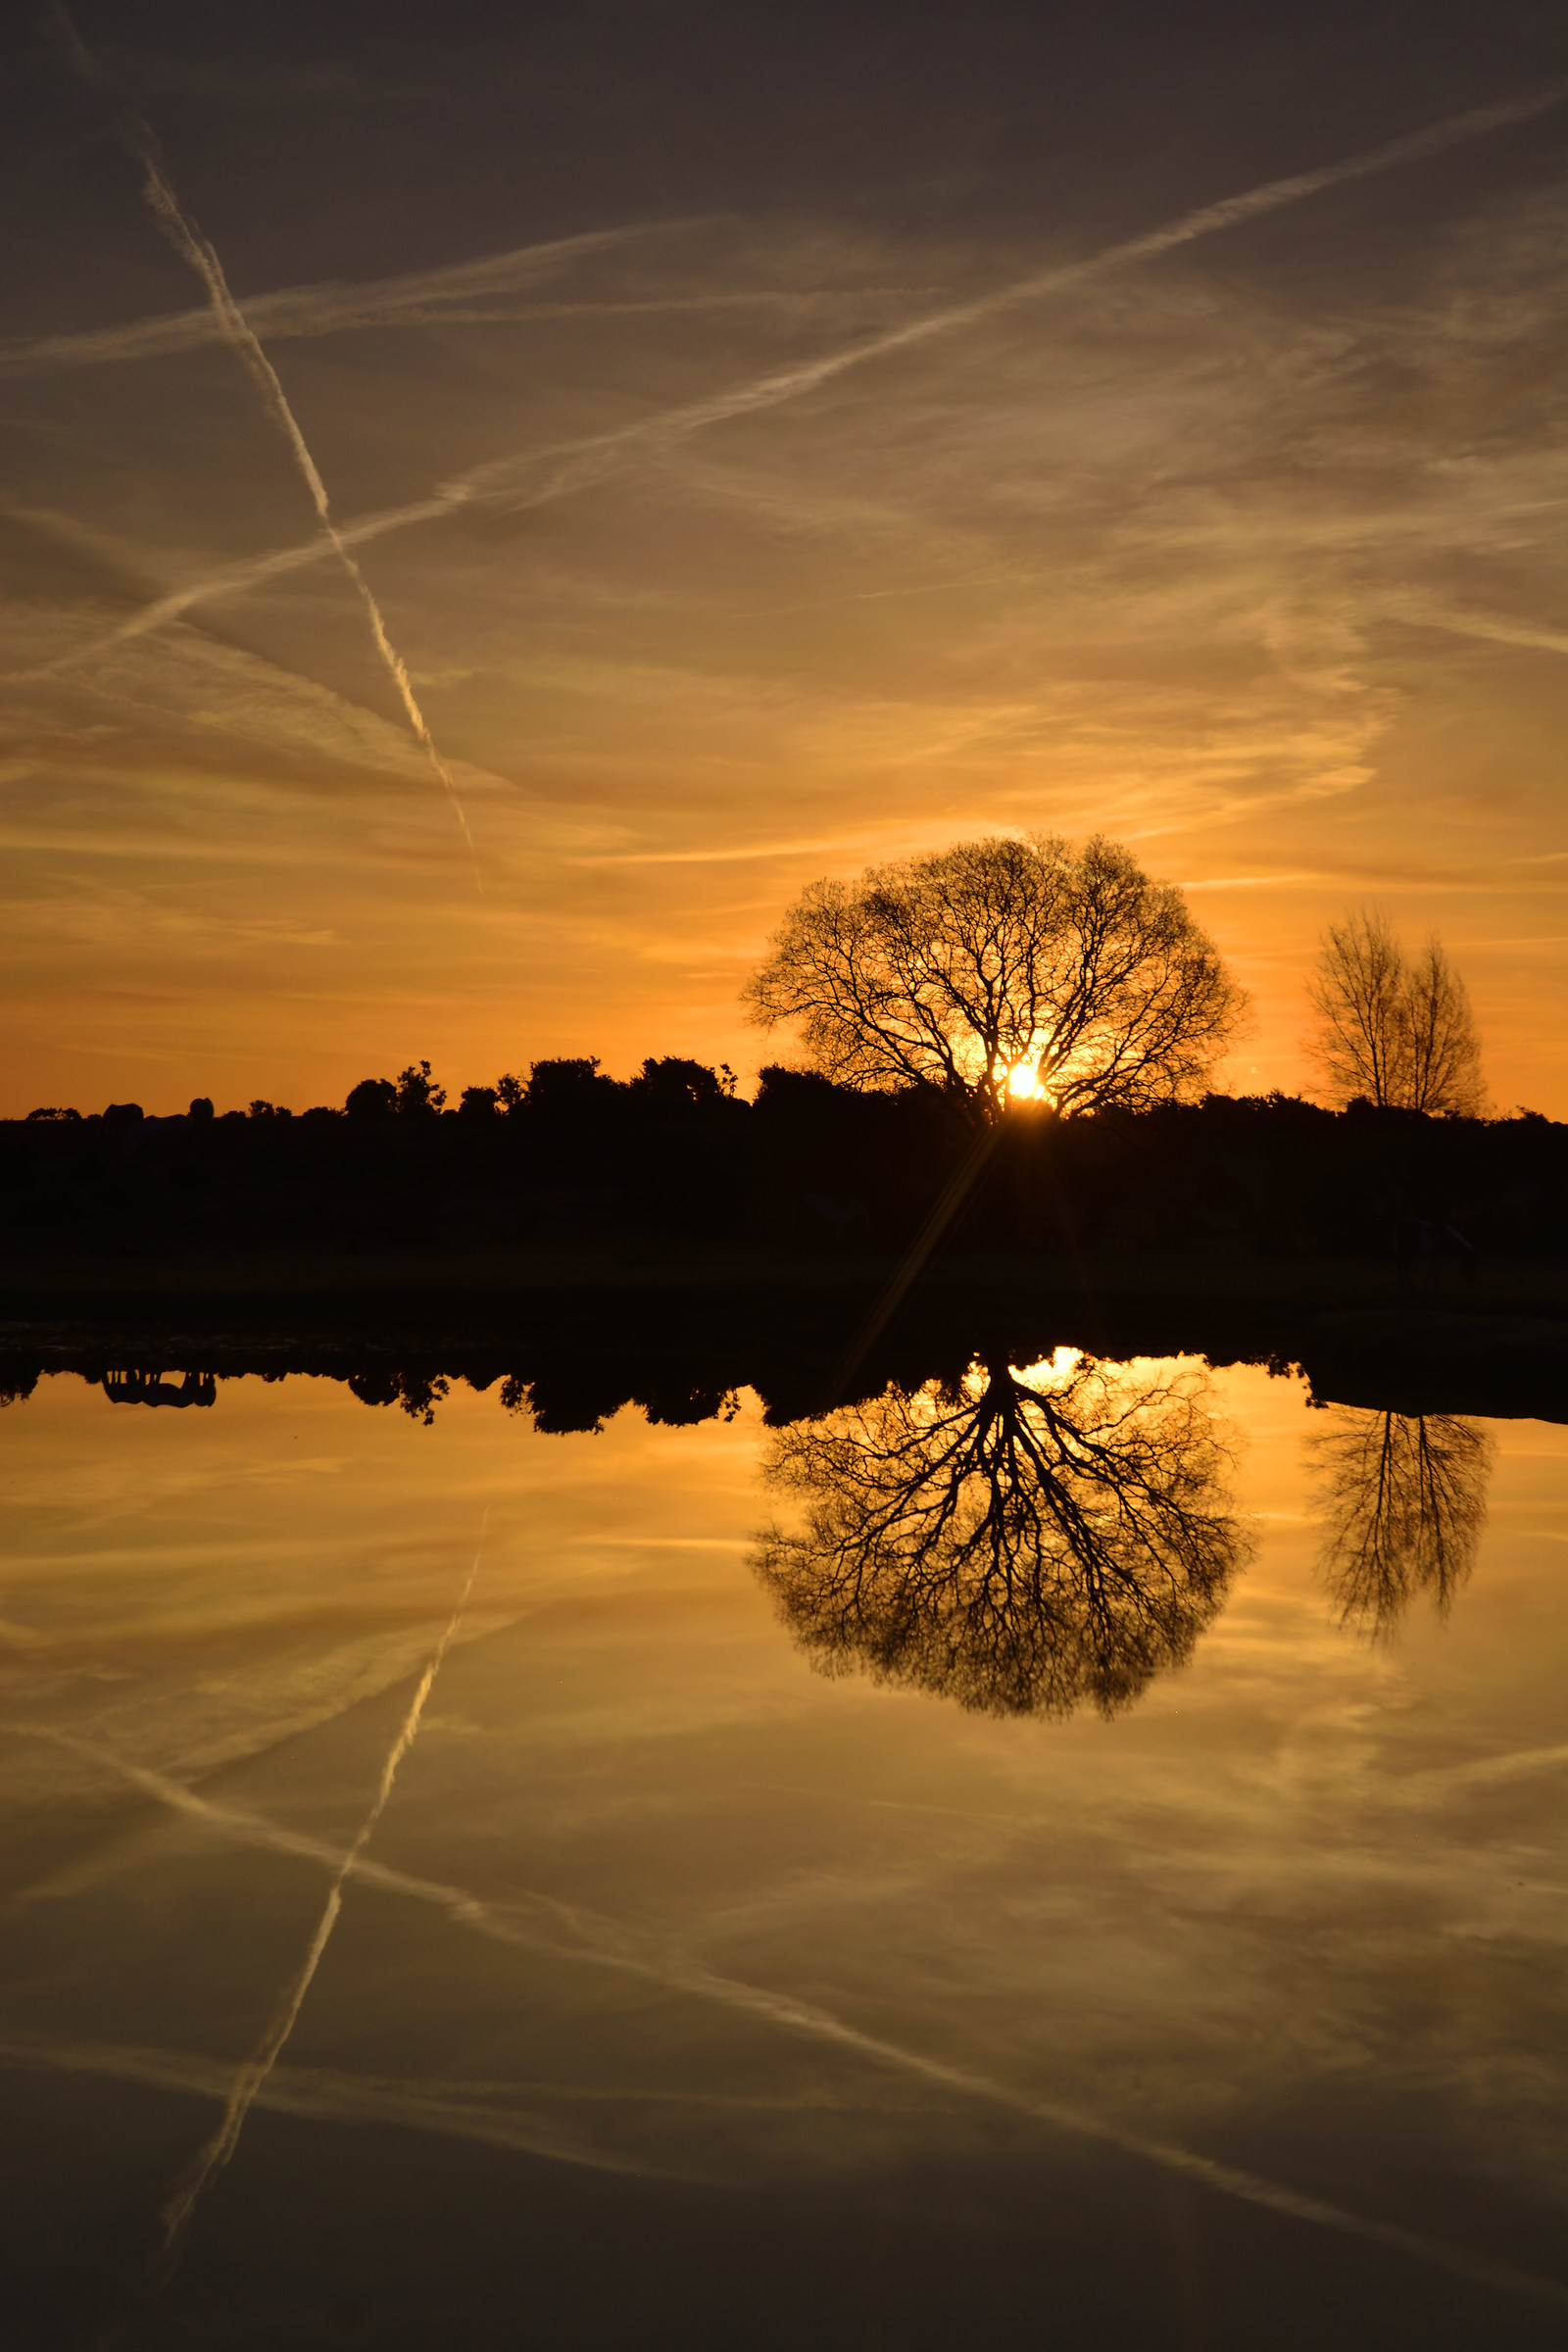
x=679 y=1994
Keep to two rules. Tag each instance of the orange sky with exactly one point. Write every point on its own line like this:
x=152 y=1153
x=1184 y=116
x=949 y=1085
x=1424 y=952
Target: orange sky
x=1242 y=551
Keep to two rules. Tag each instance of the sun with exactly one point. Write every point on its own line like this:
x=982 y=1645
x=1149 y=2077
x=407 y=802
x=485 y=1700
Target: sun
x=1023 y=1082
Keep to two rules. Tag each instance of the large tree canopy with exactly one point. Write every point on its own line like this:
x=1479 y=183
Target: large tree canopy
x=999 y=957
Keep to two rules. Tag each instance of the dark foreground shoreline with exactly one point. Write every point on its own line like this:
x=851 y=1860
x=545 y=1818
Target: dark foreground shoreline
x=575 y=1335
x=664 y=1242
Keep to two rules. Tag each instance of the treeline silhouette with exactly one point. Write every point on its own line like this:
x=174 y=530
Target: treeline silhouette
x=570 y=1156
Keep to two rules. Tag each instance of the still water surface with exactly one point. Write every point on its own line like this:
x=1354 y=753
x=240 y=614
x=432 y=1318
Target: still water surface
x=472 y=1887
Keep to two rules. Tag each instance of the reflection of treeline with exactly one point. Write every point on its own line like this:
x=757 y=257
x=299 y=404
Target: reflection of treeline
x=569 y=1154
x=574 y=1397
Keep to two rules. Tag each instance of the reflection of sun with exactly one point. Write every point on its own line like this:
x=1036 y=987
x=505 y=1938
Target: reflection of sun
x=1023 y=1082
x=1058 y=1367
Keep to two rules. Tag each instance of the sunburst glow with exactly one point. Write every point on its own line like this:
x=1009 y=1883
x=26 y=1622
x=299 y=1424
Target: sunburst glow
x=1023 y=1083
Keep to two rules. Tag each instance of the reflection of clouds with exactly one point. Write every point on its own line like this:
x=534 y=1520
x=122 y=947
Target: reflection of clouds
x=252 y=2076
x=196 y=1606
x=328 y=2095
x=1023 y=1545
x=1403 y=1500
x=1195 y=1928
x=568 y=1931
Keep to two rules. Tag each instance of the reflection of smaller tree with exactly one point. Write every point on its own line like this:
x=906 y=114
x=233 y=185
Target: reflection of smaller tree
x=1022 y=1545
x=1404 y=1498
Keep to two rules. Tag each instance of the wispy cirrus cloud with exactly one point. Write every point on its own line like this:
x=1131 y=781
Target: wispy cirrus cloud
x=235 y=329
x=1227 y=548
x=541 y=477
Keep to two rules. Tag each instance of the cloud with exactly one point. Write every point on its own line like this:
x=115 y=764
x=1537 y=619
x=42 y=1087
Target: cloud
x=235 y=329
x=1493 y=628
x=1241 y=554
x=570 y=466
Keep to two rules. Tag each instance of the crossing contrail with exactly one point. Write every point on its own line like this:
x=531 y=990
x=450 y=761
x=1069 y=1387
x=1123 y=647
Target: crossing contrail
x=210 y=2159
x=532 y=479
x=192 y=246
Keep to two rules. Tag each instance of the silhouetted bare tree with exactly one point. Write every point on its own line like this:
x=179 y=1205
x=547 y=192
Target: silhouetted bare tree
x=1440 y=1050
x=1024 y=1545
x=1399 y=1034
x=996 y=956
x=1403 y=1500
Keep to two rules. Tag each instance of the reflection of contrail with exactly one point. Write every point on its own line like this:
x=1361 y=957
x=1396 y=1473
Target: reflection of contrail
x=192 y=247
x=560 y=2121
x=210 y=2159
x=576 y=465
x=565 y=1931
x=323 y=2095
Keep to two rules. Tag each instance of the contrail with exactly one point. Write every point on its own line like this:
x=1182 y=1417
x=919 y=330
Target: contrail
x=573 y=465
x=1230 y=212
x=249 y=2082
x=190 y=243
x=334 y=306
x=557 y=1930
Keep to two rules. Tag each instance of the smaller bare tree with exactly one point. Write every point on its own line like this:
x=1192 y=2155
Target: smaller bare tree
x=1442 y=1052
x=1401 y=1035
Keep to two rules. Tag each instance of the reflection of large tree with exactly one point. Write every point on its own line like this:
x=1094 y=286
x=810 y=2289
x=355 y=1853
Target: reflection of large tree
x=1402 y=1498
x=1021 y=1544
